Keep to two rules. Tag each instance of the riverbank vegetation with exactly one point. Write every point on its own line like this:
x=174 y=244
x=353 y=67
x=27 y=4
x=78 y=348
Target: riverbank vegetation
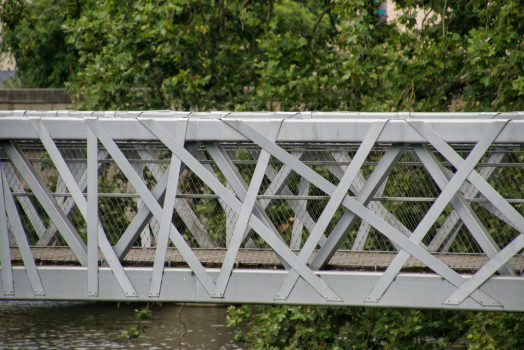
x=310 y=327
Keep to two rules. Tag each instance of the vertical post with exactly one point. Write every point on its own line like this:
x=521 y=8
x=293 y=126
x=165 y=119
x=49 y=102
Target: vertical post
x=92 y=213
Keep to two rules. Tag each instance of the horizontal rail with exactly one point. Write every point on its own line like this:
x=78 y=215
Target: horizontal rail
x=268 y=115
x=286 y=197
x=254 y=162
x=321 y=130
x=413 y=290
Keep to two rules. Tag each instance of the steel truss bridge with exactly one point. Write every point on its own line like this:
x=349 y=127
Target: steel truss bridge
x=376 y=209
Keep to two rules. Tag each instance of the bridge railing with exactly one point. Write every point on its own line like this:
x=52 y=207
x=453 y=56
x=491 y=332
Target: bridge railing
x=381 y=192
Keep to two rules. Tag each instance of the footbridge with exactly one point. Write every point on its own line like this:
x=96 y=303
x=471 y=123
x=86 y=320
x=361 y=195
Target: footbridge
x=421 y=210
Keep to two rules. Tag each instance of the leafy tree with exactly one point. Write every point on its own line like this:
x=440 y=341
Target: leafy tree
x=265 y=54
x=299 y=55
x=32 y=33
x=320 y=327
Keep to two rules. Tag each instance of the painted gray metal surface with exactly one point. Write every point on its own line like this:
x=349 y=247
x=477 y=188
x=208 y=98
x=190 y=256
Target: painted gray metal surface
x=186 y=139
x=409 y=289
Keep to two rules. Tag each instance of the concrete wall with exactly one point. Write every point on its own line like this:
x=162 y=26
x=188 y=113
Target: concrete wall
x=34 y=99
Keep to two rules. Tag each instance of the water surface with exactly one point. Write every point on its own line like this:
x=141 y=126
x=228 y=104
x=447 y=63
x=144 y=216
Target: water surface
x=82 y=325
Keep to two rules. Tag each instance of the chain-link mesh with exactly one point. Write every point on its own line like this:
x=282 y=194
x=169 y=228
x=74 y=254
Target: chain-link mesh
x=292 y=204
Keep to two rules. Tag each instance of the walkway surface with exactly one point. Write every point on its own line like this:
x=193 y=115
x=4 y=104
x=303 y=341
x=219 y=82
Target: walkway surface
x=262 y=258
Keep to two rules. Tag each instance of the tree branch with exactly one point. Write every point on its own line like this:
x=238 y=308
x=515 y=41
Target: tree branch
x=326 y=10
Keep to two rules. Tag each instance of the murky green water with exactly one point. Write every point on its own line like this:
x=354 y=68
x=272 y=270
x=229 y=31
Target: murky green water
x=79 y=325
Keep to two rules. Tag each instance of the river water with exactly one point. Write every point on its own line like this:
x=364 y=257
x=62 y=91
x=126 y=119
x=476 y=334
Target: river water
x=82 y=325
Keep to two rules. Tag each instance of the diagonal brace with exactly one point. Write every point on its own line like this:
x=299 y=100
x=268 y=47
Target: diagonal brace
x=47 y=201
x=167 y=213
x=247 y=209
x=356 y=207
x=81 y=203
x=436 y=209
x=151 y=202
x=257 y=225
x=463 y=209
x=333 y=204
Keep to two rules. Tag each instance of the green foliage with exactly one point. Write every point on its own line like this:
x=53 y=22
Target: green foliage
x=266 y=54
x=134 y=332
x=142 y=314
x=309 y=327
x=496 y=331
x=32 y=33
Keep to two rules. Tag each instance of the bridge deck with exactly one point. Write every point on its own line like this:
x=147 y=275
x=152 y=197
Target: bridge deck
x=267 y=258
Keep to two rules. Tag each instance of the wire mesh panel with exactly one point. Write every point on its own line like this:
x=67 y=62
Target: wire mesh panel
x=292 y=204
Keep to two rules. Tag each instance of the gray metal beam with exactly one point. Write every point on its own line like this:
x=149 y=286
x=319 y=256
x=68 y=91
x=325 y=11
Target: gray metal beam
x=25 y=203
x=47 y=201
x=489 y=192
x=451 y=223
x=298 y=226
x=266 y=234
x=410 y=290
x=480 y=277
x=68 y=204
x=363 y=230
x=248 y=205
x=167 y=214
x=332 y=206
x=436 y=209
x=376 y=207
x=231 y=215
x=293 y=130
x=281 y=177
x=5 y=254
x=150 y=200
x=359 y=210
x=144 y=215
x=81 y=203
x=92 y=214
x=237 y=183
x=21 y=240
x=468 y=216
x=183 y=209
x=364 y=196
x=145 y=235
